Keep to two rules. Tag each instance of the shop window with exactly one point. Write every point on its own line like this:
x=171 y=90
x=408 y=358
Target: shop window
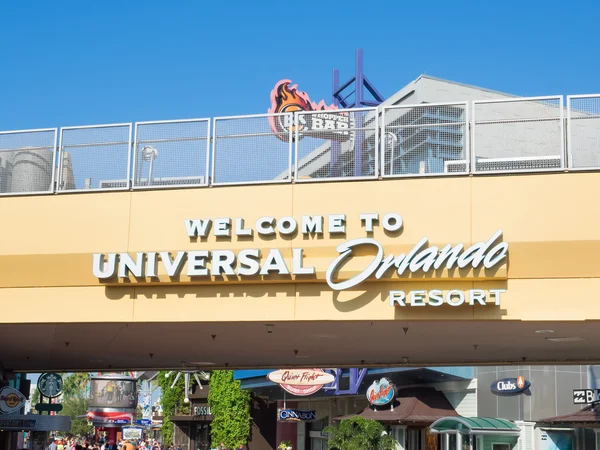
x=500 y=446
x=397 y=432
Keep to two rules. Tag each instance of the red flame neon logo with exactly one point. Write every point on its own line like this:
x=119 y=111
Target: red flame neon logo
x=288 y=99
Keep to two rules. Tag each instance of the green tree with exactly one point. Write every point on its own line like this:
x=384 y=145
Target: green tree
x=358 y=433
x=75 y=408
x=230 y=407
x=75 y=385
x=35 y=398
x=75 y=402
x=172 y=402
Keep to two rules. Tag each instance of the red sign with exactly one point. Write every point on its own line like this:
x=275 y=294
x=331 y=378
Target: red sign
x=301 y=382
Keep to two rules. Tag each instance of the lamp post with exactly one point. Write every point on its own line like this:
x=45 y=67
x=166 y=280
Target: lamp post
x=149 y=154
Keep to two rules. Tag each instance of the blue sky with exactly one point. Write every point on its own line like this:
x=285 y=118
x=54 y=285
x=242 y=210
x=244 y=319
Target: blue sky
x=77 y=63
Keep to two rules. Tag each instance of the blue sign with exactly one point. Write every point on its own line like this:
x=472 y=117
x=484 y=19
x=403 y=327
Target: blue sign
x=510 y=386
x=294 y=415
x=381 y=392
x=143 y=421
x=120 y=421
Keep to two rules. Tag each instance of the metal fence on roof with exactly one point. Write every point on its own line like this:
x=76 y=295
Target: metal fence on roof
x=252 y=149
x=518 y=135
x=27 y=161
x=430 y=139
x=583 y=133
x=536 y=134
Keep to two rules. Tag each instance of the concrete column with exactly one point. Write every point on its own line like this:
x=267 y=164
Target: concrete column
x=459 y=441
x=446 y=439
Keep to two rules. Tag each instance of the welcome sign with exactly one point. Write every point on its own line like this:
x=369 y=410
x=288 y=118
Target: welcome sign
x=203 y=264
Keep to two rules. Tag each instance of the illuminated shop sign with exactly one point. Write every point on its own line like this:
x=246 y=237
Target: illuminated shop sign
x=301 y=382
x=250 y=262
x=295 y=415
x=586 y=396
x=11 y=400
x=381 y=392
x=509 y=386
x=202 y=411
x=326 y=123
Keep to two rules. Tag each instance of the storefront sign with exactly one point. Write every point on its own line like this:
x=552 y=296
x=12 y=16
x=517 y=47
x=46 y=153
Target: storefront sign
x=423 y=258
x=294 y=415
x=11 y=400
x=120 y=421
x=301 y=381
x=508 y=386
x=586 y=396
x=17 y=424
x=326 y=125
x=50 y=384
x=111 y=416
x=381 y=392
x=202 y=411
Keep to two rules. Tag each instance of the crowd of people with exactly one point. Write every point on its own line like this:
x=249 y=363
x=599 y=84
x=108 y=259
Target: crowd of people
x=73 y=444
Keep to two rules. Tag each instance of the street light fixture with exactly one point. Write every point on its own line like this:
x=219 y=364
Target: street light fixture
x=149 y=154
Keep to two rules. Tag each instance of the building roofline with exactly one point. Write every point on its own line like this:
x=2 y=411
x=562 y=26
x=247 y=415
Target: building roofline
x=457 y=83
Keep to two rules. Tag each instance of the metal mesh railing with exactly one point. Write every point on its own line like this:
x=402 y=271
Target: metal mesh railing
x=336 y=144
x=94 y=157
x=504 y=135
x=425 y=139
x=171 y=153
x=27 y=160
x=521 y=134
x=583 y=125
x=252 y=149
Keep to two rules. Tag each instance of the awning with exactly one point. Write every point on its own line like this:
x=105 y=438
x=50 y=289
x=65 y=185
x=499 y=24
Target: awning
x=475 y=425
x=414 y=407
x=588 y=417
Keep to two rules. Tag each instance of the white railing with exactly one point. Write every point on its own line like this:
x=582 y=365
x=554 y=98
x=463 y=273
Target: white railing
x=27 y=161
x=536 y=134
x=89 y=154
x=422 y=139
x=326 y=144
x=518 y=135
x=171 y=153
x=583 y=131
x=252 y=149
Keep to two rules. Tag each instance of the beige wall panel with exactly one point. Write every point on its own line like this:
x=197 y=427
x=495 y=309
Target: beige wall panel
x=157 y=217
x=214 y=303
x=64 y=305
x=550 y=299
x=537 y=208
x=66 y=223
x=436 y=207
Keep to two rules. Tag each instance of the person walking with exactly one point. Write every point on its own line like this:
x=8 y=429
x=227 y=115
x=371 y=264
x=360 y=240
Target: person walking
x=52 y=446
